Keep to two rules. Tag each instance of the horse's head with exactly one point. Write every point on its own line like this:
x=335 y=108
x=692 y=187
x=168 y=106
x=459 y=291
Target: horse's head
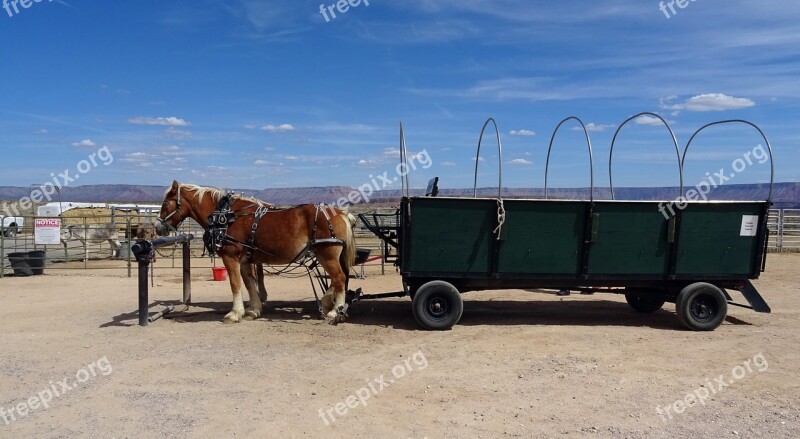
x=173 y=211
x=66 y=233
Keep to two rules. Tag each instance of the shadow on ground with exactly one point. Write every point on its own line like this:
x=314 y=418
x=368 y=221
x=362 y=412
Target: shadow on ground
x=397 y=314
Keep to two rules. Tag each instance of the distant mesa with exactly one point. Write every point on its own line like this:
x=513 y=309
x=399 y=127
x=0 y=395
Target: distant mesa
x=786 y=195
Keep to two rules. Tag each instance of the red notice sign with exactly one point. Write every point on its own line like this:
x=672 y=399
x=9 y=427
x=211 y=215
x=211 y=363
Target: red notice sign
x=47 y=231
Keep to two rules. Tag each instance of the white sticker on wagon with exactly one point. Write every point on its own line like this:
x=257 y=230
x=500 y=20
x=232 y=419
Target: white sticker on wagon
x=749 y=225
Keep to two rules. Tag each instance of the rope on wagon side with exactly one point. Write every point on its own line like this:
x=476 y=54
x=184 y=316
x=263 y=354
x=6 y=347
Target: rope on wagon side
x=501 y=218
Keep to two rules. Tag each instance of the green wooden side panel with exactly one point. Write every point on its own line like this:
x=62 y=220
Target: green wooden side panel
x=711 y=242
x=451 y=235
x=630 y=239
x=542 y=237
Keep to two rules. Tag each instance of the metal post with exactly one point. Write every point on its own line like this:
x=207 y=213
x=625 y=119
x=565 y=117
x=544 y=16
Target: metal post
x=2 y=250
x=144 y=265
x=144 y=251
x=384 y=250
x=187 y=273
x=130 y=240
x=85 y=233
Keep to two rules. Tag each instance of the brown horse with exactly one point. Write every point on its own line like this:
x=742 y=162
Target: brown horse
x=282 y=237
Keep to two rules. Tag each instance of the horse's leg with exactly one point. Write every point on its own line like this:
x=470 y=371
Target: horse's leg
x=116 y=246
x=262 y=289
x=254 y=308
x=335 y=297
x=235 y=278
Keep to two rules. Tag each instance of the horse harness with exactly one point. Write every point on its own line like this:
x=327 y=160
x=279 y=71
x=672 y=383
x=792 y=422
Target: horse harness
x=216 y=236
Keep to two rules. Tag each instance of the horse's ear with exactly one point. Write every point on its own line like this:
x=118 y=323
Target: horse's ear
x=175 y=186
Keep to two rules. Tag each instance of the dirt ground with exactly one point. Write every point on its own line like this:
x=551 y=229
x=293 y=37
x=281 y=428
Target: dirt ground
x=519 y=364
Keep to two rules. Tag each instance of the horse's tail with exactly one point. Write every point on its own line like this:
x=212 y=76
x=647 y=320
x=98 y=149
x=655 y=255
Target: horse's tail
x=350 y=241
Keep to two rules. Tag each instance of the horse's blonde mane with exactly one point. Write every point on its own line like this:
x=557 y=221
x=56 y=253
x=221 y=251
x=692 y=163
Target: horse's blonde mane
x=201 y=191
x=216 y=194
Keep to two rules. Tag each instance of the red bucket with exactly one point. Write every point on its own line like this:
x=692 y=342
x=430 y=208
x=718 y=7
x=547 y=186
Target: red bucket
x=220 y=274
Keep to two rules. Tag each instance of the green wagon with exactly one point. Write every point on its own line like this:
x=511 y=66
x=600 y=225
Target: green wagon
x=691 y=254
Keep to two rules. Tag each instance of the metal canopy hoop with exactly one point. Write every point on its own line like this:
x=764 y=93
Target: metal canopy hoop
x=764 y=136
x=674 y=140
x=404 y=161
x=591 y=155
x=499 y=159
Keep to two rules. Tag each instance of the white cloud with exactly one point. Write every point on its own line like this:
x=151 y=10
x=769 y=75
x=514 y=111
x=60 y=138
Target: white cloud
x=44 y=131
x=261 y=162
x=159 y=121
x=594 y=127
x=137 y=157
x=283 y=128
x=177 y=133
x=250 y=126
x=480 y=159
x=391 y=152
x=521 y=162
x=292 y=157
x=85 y=143
x=707 y=102
x=648 y=120
x=527 y=133
x=448 y=164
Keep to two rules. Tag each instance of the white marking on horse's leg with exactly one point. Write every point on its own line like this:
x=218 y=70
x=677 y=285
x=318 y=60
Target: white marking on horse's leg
x=255 y=307
x=235 y=278
x=329 y=259
x=328 y=303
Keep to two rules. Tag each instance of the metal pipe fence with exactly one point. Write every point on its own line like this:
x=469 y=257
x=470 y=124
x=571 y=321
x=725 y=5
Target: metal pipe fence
x=102 y=254
x=790 y=230
x=99 y=254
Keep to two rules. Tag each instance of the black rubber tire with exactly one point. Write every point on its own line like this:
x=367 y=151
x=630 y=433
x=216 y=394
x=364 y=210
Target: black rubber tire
x=437 y=306
x=701 y=307
x=645 y=301
x=11 y=231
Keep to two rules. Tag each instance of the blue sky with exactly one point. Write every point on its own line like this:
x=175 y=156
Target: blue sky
x=258 y=94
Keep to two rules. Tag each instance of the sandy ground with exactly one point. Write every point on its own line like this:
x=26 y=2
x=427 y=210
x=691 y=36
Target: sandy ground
x=518 y=365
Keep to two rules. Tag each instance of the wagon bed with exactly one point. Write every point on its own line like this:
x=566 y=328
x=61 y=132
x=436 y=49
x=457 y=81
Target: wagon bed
x=690 y=254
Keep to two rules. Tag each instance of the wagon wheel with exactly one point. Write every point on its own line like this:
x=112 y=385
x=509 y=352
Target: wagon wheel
x=645 y=301
x=701 y=307
x=437 y=305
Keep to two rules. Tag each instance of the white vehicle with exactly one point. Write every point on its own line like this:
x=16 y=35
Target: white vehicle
x=11 y=225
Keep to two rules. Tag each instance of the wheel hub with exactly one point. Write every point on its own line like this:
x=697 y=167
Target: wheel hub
x=704 y=308
x=438 y=307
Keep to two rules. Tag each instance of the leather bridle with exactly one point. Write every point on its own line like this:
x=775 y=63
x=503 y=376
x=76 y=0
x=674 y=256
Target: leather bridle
x=164 y=220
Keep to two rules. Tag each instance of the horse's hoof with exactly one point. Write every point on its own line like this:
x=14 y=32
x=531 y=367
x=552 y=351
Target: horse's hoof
x=250 y=315
x=231 y=318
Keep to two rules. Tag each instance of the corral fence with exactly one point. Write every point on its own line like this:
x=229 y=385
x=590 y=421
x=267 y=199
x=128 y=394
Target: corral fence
x=784 y=230
x=101 y=254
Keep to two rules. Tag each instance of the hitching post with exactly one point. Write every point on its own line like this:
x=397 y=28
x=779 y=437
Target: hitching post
x=143 y=250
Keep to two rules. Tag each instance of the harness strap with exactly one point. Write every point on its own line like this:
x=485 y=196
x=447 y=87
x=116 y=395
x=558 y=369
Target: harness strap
x=259 y=213
x=324 y=209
